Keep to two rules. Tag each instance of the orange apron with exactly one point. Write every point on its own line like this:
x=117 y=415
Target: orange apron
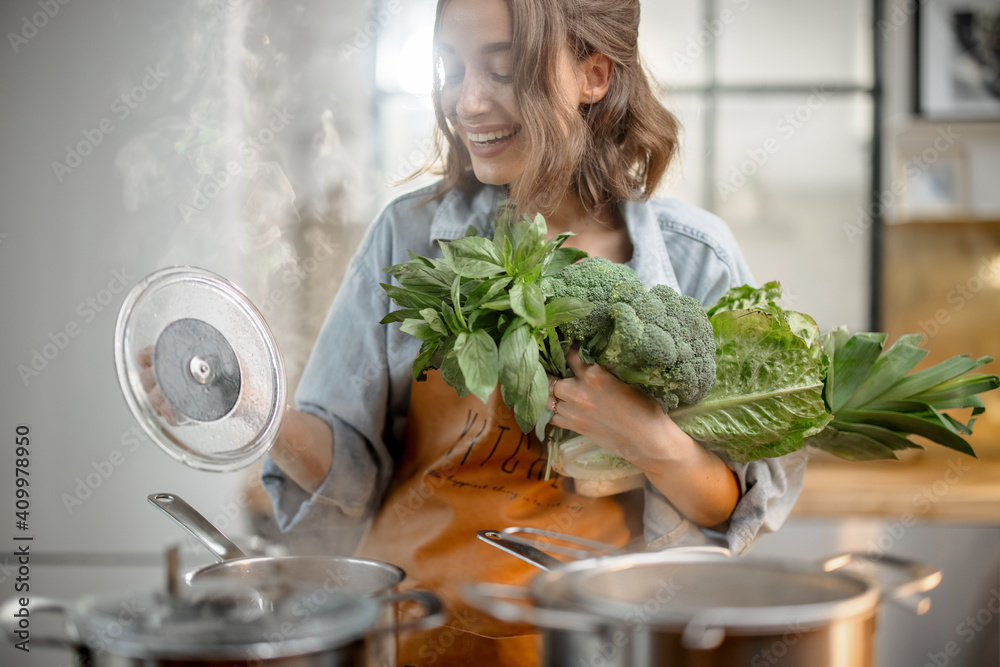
x=467 y=467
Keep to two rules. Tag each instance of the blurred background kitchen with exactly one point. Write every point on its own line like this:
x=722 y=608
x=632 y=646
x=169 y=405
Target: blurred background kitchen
x=853 y=147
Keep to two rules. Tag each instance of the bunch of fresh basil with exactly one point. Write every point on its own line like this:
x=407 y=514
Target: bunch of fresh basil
x=482 y=317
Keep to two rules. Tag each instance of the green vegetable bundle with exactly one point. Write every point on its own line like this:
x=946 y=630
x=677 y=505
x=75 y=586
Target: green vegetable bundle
x=842 y=393
x=508 y=309
x=483 y=317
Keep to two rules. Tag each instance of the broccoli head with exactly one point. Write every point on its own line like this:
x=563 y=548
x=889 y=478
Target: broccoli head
x=594 y=279
x=658 y=339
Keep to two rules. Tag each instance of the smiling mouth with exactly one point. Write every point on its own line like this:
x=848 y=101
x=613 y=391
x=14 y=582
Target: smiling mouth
x=492 y=138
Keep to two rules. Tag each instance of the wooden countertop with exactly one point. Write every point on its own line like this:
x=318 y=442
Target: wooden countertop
x=956 y=488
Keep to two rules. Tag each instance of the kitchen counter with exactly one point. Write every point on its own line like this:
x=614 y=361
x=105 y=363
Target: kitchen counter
x=955 y=489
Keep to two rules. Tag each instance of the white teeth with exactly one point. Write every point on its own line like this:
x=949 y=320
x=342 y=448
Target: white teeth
x=491 y=136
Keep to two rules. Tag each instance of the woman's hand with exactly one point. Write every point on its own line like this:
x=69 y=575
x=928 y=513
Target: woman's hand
x=147 y=375
x=630 y=423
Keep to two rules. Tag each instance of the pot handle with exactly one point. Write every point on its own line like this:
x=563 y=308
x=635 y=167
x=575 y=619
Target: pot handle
x=495 y=600
x=430 y=604
x=36 y=605
x=519 y=548
x=909 y=594
x=195 y=523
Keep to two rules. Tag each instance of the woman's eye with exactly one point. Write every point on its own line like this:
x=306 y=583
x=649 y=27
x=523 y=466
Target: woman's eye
x=453 y=77
x=502 y=78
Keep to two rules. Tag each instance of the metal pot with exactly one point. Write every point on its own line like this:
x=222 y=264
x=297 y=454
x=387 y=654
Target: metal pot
x=277 y=576
x=685 y=609
x=216 y=627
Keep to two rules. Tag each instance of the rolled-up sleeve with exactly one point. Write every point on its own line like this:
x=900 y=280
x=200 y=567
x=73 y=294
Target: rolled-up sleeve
x=768 y=491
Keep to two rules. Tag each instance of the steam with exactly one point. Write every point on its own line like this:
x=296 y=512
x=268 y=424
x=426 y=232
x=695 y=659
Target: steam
x=208 y=182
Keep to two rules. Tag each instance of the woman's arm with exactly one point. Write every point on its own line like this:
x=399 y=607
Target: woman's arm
x=628 y=422
x=303 y=449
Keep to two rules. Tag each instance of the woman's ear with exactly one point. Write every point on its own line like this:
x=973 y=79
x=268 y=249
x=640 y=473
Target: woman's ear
x=597 y=70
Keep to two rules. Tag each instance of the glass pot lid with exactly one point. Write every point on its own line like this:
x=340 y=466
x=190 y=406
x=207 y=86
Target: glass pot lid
x=199 y=368
x=219 y=623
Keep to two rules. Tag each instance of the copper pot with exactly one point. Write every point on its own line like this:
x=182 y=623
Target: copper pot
x=687 y=608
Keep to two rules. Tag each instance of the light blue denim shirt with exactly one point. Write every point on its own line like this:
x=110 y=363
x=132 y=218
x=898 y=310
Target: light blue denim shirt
x=358 y=377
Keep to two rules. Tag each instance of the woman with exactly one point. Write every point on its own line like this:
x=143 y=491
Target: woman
x=543 y=103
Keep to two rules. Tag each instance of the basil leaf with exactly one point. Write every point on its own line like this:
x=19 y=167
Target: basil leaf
x=425 y=359
x=408 y=298
x=475 y=247
x=451 y=372
x=486 y=290
x=557 y=354
x=518 y=360
x=529 y=409
x=527 y=301
x=479 y=360
x=419 y=329
x=531 y=245
x=566 y=309
x=499 y=304
x=560 y=259
x=434 y=320
x=456 y=301
x=421 y=277
x=400 y=315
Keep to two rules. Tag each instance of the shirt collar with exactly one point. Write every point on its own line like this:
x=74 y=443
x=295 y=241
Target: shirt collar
x=458 y=210
x=650 y=259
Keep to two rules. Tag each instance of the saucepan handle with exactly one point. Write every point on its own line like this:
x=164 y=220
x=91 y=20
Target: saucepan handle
x=513 y=604
x=195 y=523
x=433 y=612
x=910 y=593
x=582 y=547
x=519 y=548
x=537 y=552
x=11 y=615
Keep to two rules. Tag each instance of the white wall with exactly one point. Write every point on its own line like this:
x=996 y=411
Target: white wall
x=116 y=214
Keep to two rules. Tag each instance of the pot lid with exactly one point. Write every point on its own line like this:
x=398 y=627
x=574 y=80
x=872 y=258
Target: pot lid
x=221 y=623
x=678 y=590
x=199 y=368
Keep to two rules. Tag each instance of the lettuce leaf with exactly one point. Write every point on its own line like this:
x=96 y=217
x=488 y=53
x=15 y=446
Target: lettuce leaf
x=768 y=394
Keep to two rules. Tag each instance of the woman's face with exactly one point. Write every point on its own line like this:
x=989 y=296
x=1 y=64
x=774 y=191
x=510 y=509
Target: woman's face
x=478 y=91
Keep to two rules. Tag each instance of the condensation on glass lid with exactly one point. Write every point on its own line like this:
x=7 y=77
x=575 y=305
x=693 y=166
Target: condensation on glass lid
x=199 y=368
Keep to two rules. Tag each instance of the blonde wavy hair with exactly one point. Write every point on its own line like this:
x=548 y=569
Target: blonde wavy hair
x=617 y=148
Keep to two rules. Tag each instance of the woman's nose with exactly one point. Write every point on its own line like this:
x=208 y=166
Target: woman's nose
x=474 y=98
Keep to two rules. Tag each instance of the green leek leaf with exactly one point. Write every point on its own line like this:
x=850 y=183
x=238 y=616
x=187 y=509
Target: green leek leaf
x=908 y=423
x=852 y=365
x=890 y=368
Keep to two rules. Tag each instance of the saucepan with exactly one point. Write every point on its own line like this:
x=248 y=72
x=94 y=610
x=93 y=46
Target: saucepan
x=162 y=630
x=685 y=608
x=313 y=576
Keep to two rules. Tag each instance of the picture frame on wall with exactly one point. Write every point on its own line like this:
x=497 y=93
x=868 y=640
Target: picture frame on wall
x=933 y=189
x=957 y=48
